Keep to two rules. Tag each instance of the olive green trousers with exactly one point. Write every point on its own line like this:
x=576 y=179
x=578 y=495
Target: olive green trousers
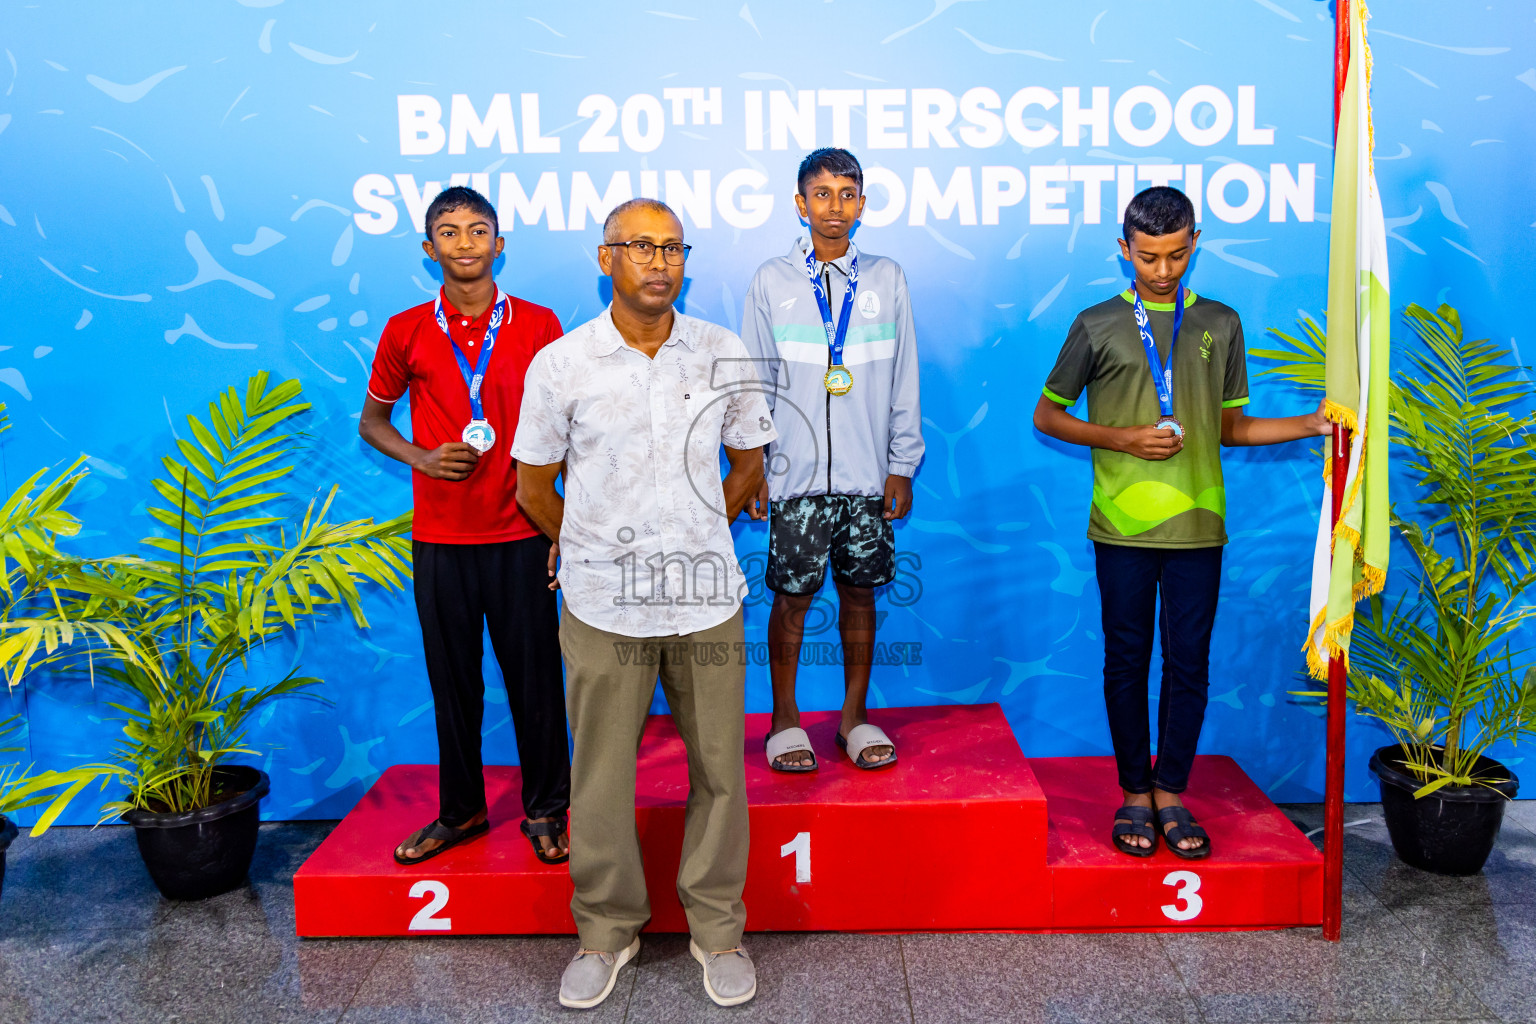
x=609 y=682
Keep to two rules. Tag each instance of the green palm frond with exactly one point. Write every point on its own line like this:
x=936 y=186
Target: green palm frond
x=1463 y=414
x=20 y=789
x=1300 y=359
x=223 y=471
x=29 y=522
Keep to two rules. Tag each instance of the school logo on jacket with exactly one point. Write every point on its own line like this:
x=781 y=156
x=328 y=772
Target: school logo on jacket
x=869 y=305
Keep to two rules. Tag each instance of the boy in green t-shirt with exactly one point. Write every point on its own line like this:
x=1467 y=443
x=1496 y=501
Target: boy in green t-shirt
x=1166 y=381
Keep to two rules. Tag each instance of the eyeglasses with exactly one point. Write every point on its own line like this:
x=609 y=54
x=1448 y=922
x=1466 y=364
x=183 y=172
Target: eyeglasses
x=644 y=252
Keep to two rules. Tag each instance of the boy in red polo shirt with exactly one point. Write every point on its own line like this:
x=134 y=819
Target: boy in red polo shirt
x=477 y=561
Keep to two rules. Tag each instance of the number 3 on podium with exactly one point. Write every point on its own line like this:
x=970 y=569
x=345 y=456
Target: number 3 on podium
x=1187 y=887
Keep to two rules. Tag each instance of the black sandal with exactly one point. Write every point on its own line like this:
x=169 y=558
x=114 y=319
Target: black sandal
x=1184 y=827
x=449 y=837
x=553 y=829
x=1138 y=823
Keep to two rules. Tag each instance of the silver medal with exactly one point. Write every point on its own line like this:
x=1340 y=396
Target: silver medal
x=479 y=435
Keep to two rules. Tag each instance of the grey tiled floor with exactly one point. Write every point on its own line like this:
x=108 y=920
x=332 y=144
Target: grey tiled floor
x=85 y=937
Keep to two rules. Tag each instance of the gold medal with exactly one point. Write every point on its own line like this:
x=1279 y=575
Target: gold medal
x=838 y=380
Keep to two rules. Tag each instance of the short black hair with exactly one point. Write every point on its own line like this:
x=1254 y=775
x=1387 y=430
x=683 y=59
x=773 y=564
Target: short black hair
x=837 y=162
x=1159 y=210
x=456 y=198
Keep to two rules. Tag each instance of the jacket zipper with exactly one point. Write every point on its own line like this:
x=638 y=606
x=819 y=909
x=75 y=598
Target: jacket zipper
x=827 y=270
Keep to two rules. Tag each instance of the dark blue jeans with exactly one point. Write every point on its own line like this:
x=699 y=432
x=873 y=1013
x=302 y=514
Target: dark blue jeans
x=1129 y=582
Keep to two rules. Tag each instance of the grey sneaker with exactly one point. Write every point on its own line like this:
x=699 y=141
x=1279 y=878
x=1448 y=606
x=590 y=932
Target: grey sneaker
x=729 y=977
x=591 y=975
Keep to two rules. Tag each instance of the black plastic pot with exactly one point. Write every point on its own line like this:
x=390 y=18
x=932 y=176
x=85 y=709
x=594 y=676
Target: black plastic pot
x=1450 y=831
x=7 y=836
x=196 y=854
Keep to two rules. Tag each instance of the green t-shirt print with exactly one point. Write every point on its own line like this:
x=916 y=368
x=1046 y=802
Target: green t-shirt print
x=1178 y=502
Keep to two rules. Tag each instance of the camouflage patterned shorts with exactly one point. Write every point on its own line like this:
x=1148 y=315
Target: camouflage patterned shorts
x=850 y=528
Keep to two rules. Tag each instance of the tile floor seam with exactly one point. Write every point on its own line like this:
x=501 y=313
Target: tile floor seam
x=361 y=981
x=1449 y=968
x=1194 y=1000
x=629 y=996
x=1519 y=824
x=1374 y=891
x=1359 y=878
x=906 y=982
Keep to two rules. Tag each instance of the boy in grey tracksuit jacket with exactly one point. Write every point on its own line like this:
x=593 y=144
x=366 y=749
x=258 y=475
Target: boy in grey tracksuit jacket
x=841 y=469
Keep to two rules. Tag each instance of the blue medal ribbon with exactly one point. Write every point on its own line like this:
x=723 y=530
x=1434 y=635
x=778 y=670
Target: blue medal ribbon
x=838 y=335
x=475 y=377
x=1162 y=376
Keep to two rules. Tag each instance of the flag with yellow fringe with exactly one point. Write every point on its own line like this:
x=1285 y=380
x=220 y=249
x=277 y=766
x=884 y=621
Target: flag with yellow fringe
x=1350 y=559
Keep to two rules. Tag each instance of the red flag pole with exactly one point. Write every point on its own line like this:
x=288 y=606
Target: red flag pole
x=1333 y=787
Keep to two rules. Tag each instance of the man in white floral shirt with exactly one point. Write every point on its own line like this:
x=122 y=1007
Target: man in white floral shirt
x=633 y=407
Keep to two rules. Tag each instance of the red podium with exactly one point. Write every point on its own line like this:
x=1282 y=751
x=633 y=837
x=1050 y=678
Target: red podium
x=845 y=850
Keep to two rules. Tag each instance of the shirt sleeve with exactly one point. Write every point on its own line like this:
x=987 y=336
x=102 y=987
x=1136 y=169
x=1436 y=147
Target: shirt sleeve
x=906 y=444
x=748 y=421
x=544 y=422
x=552 y=330
x=757 y=336
x=1074 y=366
x=1234 y=387
x=391 y=375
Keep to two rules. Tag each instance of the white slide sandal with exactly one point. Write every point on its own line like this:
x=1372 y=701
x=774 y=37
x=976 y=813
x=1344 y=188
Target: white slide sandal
x=861 y=738
x=789 y=741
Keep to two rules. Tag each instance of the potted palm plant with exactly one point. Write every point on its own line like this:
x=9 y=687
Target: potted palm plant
x=173 y=632
x=1438 y=668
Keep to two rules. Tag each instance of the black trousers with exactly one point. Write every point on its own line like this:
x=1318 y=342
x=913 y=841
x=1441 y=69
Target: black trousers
x=461 y=590
x=1129 y=582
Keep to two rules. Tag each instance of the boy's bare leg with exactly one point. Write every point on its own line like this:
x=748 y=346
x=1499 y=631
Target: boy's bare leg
x=786 y=631
x=856 y=623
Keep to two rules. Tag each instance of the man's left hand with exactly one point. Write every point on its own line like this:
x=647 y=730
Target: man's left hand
x=757 y=507
x=898 y=497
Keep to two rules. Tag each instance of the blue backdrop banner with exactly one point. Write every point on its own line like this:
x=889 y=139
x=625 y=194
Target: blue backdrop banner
x=192 y=192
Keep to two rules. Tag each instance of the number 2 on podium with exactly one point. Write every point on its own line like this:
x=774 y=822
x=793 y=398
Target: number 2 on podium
x=800 y=846
x=1187 y=886
x=426 y=919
